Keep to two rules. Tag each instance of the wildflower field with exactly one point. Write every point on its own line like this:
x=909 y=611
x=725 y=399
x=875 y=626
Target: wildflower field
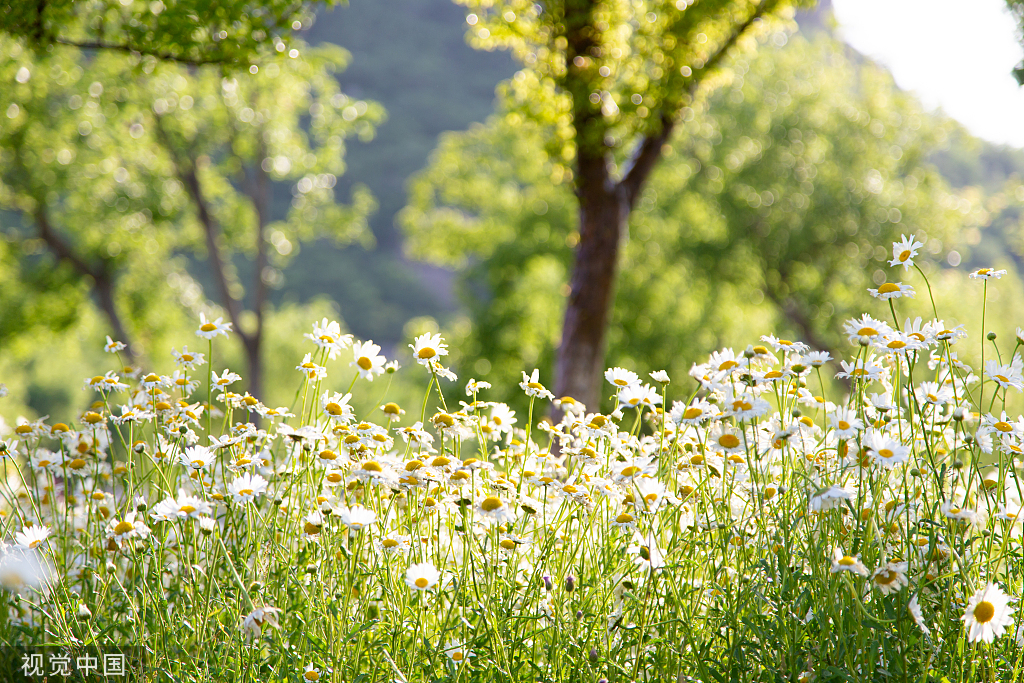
x=778 y=515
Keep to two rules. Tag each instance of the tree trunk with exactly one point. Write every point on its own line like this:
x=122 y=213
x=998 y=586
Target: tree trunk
x=603 y=210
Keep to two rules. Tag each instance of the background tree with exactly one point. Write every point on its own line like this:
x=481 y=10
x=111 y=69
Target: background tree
x=118 y=163
x=609 y=81
x=235 y=32
x=767 y=212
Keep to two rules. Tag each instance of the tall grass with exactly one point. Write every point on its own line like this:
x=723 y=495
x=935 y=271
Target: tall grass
x=739 y=524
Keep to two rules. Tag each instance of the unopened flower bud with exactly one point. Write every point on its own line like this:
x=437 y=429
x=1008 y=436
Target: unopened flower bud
x=991 y=336
x=570 y=583
x=594 y=654
x=83 y=612
x=958 y=414
x=547 y=582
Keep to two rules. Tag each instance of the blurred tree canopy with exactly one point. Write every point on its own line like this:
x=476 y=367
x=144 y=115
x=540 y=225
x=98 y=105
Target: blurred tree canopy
x=606 y=82
x=234 y=32
x=773 y=208
x=115 y=167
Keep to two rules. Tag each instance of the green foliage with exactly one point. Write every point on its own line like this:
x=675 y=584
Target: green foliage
x=767 y=206
x=94 y=155
x=193 y=31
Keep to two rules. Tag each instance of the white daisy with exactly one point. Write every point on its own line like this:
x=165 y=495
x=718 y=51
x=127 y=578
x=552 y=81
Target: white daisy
x=987 y=614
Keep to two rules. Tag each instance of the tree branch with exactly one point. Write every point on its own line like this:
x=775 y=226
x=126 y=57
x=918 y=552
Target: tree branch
x=103 y=280
x=648 y=152
x=185 y=169
x=136 y=50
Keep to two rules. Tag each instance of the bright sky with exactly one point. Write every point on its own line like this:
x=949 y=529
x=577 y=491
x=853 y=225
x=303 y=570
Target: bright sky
x=954 y=54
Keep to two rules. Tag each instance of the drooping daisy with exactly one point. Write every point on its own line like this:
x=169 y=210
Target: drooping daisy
x=254 y=621
x=904 y=251
x=209 y=330
x=890 y=577
x=357 y=517
x=987 y=614
x=422 y=576
x=368 y=359
x=247 y=487
x=660 y=376
x=428 y=347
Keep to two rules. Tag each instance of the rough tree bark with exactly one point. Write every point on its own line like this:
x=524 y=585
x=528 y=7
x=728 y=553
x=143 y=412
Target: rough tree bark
x=605 y=203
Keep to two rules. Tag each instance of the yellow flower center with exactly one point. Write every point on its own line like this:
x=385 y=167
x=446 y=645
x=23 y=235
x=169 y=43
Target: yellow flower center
x=372 y=466
x=630 y=471
x=364 y=362
x=896 y=344
x=457 y=656
x=905 y=255
x=621 y=382
x=309 y=675
x=77 y=464
x=245 y=492
x=1003 y=426
x=421 y=582
x=90 y=417
x=885 y=577
x=207 y=327
x=847 y=561
x=885 y=453
x=888 y=288
x=984 y=611
x=535 y=385
x=187 y=509
x=491 y=503
x=392 y=408
x=426 y=352
x=728 y=365
x=740 y=405
x=122 y=528
x=728 y=441
x=389 y=543
x=843 y=424
x=624 y=518
x=310 y=528
x=867 y=331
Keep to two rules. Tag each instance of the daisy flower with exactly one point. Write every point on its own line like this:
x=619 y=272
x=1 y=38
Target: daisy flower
x=457 y=652
x=915 y=611
x=327 y=335
x=422 y=576
x=196 y=457
x=310 y=673
x=636 y=395
x=647 y=554
x=32 y=536
x=1010 y=375
x=987 y=614
x=358 y=518
x=187 y=358
x=428 y=347
x=890 y=578
x=114 y=346
x=532 y=386
x=368 y=360
x=209 y=330
x=254 y=621
x=846 y=563
x=493 y=510
x=621 y=377
x=892 y=290
x=660 y=376
x=904 y=251
x=336 y=406
x=312 y=370
x=247 y=487
x=987 y=274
